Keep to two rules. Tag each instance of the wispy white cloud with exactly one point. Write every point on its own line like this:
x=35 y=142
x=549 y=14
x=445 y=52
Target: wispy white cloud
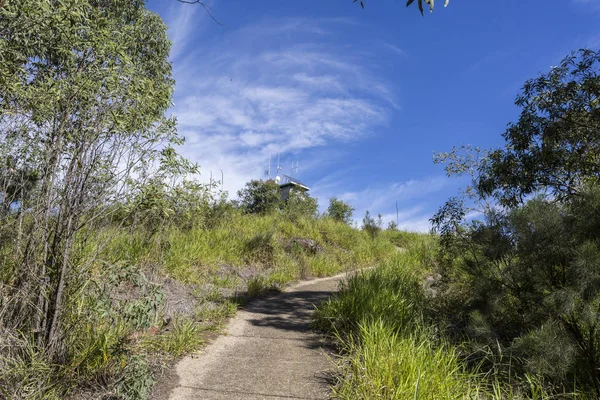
x=410 y=196
x=278 y=87
x=384 y=197
x=183 y=24
x=395 y=49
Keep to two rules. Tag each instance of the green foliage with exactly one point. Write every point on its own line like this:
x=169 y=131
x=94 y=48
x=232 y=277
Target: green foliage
x=387 y=365
x=183 y=338
x=25 y=371
x=261 y=249
x=300 y=205
x=524 y=280
x=136 y=380
x=260 y=285
x=138 y=308
x=391 y=294
x=340 y=211
x=185 y=204
x=529 y=281
x=259 y=197
x=388 y=330
x=371 y=225
x=554 y=145
x=82 y=115
x=96 y=208
x=392 y=226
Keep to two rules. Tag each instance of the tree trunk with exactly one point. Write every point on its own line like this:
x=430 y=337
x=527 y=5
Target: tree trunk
x=56 y=308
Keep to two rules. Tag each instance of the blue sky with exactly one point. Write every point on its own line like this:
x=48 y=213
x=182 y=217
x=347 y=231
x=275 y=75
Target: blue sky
x=360 y=98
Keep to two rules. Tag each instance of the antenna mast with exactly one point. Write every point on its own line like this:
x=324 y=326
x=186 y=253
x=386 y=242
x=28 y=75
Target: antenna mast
x=294 y=168
x=269 y=169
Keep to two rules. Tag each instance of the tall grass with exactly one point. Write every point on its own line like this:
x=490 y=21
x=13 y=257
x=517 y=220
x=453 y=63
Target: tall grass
x=390 y=294
x=385 y=364
x=194 y=255
x=390 y=350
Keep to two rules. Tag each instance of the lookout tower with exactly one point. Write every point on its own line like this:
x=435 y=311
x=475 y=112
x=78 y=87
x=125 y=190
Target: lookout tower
x=290 y=184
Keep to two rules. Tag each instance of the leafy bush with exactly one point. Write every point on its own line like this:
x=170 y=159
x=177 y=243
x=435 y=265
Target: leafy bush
x=393 y=347
x=299 y=205
x=259 y=197
x=525 y=280
x=340 y=211
x=530 y=282
x=371 y=225
x=136 y=380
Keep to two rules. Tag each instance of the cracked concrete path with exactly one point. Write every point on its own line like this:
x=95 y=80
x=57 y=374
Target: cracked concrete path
x=268 y=352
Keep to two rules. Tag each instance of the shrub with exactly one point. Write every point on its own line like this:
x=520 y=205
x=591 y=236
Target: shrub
x=299 y=205
x=259 y=197
x=340 y=211
x=392 y=226
x=371 y=225
x=528 y=281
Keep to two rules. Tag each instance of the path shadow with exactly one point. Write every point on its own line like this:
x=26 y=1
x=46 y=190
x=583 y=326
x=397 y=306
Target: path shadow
x=292 y=312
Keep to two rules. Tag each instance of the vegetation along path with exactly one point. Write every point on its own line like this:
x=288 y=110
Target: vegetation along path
x=269 y=352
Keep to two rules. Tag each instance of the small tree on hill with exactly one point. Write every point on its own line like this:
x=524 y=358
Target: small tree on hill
x=340 y=211
x=300 y=204
x=259 y=197
x=371 y=225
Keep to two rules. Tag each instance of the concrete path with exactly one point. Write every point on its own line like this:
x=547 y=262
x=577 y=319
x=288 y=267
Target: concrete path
x=268 y=352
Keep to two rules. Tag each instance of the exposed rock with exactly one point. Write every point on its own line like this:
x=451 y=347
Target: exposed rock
x=306 y=244
x=430 y=284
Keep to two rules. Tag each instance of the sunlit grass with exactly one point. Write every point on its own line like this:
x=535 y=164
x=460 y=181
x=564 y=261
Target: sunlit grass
x=385 y=364
x=183 y=338
x=116 y=330
x=390 y=350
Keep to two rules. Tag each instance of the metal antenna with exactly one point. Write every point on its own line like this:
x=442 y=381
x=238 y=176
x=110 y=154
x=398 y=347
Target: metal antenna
x=294 y=168
x=278 y=166
x=269 y=170
x=222 y=179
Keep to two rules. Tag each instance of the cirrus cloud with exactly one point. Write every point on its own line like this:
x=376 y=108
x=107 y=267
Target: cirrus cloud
x=280 y=87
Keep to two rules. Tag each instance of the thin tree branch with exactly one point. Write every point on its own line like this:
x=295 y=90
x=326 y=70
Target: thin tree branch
x=206 y=7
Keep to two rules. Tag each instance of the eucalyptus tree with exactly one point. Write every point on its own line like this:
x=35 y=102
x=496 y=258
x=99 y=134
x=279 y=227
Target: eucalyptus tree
x=84 y=87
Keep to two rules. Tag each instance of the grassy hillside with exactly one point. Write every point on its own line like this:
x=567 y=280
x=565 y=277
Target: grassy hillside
x=143 y=297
